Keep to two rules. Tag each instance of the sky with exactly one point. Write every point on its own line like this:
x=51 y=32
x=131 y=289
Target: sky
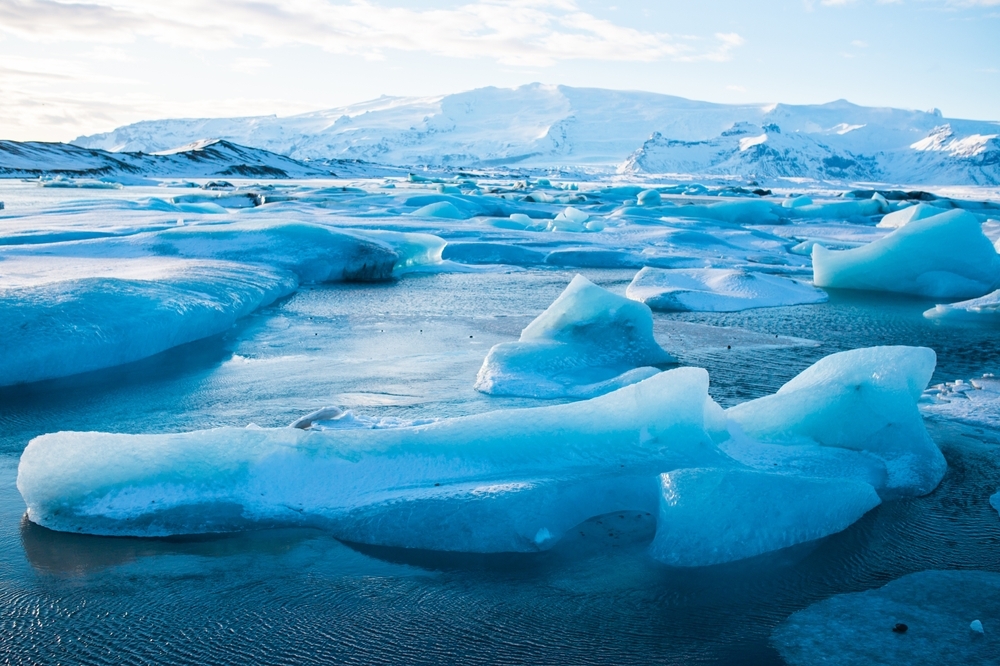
x=74 y=68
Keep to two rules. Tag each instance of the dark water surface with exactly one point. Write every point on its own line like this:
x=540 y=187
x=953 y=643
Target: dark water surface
x=412 y=349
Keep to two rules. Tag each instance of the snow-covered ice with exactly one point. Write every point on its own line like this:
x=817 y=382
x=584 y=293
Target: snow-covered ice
x=903 y=216
x=589 y=341
x=856 y=629
x=944 y=256
x=717 y=290
x=712 y=516
x=975 y=309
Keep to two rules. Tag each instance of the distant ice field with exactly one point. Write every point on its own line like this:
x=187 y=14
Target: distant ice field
x=409 y=346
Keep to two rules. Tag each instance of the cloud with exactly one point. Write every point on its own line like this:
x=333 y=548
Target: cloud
x=514 y=32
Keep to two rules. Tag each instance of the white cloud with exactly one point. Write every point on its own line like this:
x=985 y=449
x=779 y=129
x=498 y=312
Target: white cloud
x=513 y=32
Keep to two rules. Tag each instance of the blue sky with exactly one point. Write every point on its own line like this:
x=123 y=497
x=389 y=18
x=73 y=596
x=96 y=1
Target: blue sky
x=70 y=68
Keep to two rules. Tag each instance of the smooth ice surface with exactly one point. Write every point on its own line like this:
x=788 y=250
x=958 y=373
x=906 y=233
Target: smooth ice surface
x=903 y=216
x=711 y=516
x=943 y=256
x=485 y=483
x=589 y=341
x=984 y=307
x=65 y=327
x=864 y=400
x=936 y=606
x=717 y=290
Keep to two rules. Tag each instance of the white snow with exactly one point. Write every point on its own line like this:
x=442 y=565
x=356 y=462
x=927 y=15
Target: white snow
x=856 y=629
x=712 y=516
x=589 y=341
x=943 y=256
x=717 y=290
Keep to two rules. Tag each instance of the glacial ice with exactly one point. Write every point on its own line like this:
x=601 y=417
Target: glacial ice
x=717 y=290
x=649 y=198
x=944 y=256
x=903 y=216
x=984 y=307
x=444 y=209
x=71 y=326
x=863 y=400
x=589 y=341
x=489 y=482
x=855 y=629
x=712 y=516
x=974 y=401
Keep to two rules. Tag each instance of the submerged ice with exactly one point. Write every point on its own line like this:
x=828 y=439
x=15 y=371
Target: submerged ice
x=589 y=341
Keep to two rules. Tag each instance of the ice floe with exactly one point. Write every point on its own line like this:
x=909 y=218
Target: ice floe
x=975 y=309
x=943 y=256
x=589 y=341
x=856 y=629
x=975 y=401
x=863 y=400
x=717 y=290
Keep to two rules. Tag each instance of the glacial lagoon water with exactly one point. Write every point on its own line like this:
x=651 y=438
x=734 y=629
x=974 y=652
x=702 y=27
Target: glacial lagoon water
x=411 y=349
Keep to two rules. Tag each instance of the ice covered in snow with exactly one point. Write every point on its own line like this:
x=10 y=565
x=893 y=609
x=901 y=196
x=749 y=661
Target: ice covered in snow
x=975 y=309
x=943 y=256
x=589 y=341
x=863 y=400
x=975 y=401
x=903 y=216
x=717 y=290
x=712 y=516
x=65 y=327
x=856 y=629
x=489 y=482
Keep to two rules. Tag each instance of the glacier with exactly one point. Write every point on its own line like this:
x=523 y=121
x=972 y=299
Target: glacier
x=636 y=133
x=717 y=290
x=942 y=256
x=589 y=341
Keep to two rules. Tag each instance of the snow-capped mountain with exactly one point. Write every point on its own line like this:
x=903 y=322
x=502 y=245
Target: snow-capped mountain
x=544 y=126
x=202 y=159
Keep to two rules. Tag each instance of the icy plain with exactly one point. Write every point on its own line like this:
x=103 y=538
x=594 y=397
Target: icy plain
x=253 y=305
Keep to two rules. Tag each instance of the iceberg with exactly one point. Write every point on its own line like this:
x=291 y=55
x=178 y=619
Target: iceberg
x=983 y=308
x=717 y=290
x=856 y=629
x=589 y=341
x=712 y=516
x=71 y=326
x=904 y=216
x=510 y=480
x=444 y=209
x=944 y=256
x=863 y=400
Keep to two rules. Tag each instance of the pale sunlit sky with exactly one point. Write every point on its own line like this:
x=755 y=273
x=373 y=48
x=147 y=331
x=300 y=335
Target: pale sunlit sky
x=72 y=68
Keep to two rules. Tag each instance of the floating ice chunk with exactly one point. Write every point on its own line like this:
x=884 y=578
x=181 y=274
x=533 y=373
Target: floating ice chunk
x=79 y=183
x=995 y=501
x=580 y=346
x=975 y=401
x=840 y=210
x=414 y=250
x=649 y=198
x=796 y=202
x=736 y=212
x=483 y=483
x=984 y=307
x=977 y=627
x=571 y=219
x=942 y=256
x=856 y=629
x=717 y=290
x=903 y=216
x=862 y=400
x=711 y=516
x=444 y=209
x=492 y=253
x=72 y=326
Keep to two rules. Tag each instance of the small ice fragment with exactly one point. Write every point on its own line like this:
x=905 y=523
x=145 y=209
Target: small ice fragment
x=976 y=626
x=543 y=535
x=324 y=414
x=649 y=198
x=796 y=202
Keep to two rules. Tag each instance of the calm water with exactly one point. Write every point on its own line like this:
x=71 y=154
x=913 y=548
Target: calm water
x=412 y=349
